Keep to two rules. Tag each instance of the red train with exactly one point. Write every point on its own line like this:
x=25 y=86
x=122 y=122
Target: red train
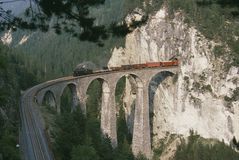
x=146 y=65
x=174 y=62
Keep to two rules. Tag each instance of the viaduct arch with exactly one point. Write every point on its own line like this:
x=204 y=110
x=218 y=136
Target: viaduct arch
x=154 y=83
x=49 y=99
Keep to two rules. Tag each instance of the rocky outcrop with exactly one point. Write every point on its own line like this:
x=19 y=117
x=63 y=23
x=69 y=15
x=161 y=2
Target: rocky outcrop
x=7 y=38
x=135 y=18
x=195 y=98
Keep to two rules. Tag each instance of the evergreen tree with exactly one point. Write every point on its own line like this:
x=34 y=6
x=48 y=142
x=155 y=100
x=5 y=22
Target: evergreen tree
x=84 y=152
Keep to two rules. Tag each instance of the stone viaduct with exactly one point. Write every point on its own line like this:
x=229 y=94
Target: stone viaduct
x=141 y=142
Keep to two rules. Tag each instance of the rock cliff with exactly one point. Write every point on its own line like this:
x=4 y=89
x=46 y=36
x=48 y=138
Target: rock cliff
x=202 y=97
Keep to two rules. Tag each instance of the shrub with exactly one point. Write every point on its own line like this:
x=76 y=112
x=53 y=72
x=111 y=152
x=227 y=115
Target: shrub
x=201 y=149
x=219 y=51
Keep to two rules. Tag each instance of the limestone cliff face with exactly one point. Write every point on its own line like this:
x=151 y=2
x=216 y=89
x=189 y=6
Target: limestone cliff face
x=196 y=100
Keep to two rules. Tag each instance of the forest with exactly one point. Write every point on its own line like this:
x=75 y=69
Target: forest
x=14 y=78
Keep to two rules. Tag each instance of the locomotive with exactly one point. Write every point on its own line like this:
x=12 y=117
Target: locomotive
x=85 y=71
x=80 y=71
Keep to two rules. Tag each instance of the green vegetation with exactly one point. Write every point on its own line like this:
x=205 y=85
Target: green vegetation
x=123 y=133
x=197 y=86
x=71 y=17
x=141 y=157
x=175 y=78
x=66 y=100
x=235 y=143
x=197 y=148
x=120 y=90
x=207 y=88
x=200 y=149
x=219 y=51
x=84 y=152
x=234 y=97
x=215 y=19
x=93 y=103
x=157 y=151
x=13 y=78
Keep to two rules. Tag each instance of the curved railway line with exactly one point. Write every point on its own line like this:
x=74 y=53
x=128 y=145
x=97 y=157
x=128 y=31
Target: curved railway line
x=34 y=143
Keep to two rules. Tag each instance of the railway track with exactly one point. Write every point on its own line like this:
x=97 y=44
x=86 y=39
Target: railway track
x=33 y=139
x=34 y=144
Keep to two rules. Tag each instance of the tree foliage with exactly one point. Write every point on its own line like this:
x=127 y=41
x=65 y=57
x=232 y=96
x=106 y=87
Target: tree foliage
x=13 y=78
x=66 y=13
x=83 y=152
x=64 y=16
x=197 y=149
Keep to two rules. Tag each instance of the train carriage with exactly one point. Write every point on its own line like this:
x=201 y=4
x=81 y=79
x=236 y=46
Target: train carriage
x=138 y=66
x=153 y=64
